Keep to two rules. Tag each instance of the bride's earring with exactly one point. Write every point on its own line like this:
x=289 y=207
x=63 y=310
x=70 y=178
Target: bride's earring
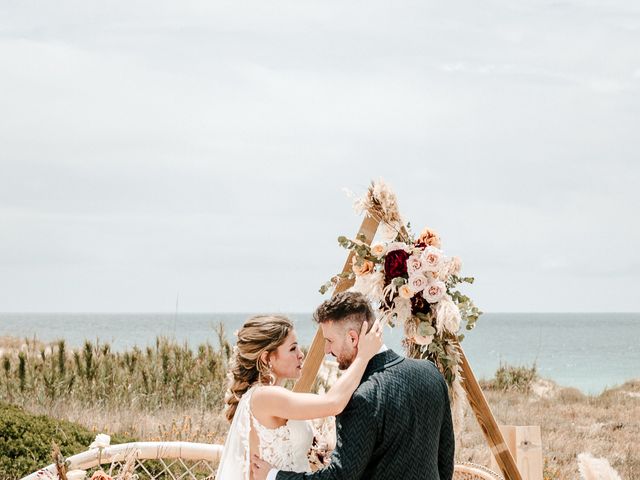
x=265 y=372
x=272 y=377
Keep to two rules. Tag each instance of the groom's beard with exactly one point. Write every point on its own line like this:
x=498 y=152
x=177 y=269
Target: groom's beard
x=345 y=360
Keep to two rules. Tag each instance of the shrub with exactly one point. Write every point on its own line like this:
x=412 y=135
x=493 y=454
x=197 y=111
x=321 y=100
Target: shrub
x=519 y=378
x=25 y=440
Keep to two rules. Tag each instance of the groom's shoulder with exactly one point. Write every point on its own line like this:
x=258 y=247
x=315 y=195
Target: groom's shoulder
x=422 y=370
x=424 y=367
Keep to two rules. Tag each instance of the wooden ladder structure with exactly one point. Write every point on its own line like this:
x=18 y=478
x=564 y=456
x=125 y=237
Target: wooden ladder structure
x=476 y=398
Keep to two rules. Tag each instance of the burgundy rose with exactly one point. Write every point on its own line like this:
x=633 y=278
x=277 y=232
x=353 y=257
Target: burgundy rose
x=419 y=304
x=395 y=265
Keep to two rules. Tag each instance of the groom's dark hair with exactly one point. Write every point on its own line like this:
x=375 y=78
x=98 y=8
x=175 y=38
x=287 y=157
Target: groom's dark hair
x=351 y=307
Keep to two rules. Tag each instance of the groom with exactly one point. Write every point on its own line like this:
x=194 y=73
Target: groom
x=398 y=421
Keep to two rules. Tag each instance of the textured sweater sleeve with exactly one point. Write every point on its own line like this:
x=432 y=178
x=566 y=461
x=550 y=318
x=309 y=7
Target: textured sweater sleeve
x=447 y=444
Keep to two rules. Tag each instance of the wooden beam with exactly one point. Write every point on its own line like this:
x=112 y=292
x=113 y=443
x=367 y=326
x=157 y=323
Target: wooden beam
x=316 y=350
x=487 y=422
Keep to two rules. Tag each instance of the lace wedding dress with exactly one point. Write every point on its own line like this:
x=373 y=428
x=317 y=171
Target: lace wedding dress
x=284 y=447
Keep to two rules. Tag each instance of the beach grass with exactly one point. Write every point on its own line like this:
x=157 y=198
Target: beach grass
x=165 y=375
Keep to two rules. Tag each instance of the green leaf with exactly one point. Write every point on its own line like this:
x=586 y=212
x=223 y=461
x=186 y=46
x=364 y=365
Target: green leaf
x=424 y=329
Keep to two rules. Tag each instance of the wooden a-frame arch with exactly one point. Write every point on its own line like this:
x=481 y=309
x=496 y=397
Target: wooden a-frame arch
x=476 y=398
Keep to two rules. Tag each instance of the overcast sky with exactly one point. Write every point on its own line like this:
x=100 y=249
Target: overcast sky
x=149 y=148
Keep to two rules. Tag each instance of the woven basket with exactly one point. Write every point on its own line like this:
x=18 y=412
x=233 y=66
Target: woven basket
x=471 y=471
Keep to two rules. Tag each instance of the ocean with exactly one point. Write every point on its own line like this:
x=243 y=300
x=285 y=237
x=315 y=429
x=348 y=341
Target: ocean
x=589 y=351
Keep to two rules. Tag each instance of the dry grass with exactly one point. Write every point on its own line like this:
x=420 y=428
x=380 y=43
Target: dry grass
x=167 y=424
x=607 y=425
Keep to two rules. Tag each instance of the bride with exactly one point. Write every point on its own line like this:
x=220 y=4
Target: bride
x=266 y=418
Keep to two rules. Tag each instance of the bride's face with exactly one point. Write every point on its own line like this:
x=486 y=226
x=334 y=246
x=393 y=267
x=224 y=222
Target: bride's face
x=286 y=360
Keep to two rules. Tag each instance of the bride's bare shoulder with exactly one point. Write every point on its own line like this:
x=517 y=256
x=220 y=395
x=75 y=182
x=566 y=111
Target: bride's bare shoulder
x=267 y=392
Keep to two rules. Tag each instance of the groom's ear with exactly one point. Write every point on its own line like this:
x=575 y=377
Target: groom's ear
x=353 y=337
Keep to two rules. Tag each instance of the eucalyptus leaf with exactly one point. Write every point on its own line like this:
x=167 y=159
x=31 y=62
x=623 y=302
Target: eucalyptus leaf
x=424 y=329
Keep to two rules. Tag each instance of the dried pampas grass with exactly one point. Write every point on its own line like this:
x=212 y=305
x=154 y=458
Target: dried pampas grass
x=592 y=468
x=380 y=202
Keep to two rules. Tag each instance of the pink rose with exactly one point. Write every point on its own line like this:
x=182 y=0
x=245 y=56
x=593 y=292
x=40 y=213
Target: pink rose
x=414 y=264
x=434 y=291
x=455 y=266
x=417 y=283
x=432 y=259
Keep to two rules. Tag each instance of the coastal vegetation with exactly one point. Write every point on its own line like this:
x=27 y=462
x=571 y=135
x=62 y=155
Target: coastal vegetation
x=167 y=374
x=26 y=440
x=171 y=392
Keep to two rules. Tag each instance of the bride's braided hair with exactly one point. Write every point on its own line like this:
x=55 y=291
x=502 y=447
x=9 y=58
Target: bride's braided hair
x=262 y=333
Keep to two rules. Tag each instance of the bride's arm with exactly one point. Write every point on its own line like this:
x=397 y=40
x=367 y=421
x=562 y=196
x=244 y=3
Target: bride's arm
x=282 y=403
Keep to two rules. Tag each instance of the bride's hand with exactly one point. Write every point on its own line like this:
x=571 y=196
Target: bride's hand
x=370 y=343
x=259 y=468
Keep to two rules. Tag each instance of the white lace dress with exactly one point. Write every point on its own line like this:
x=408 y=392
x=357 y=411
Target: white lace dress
x=285 y=447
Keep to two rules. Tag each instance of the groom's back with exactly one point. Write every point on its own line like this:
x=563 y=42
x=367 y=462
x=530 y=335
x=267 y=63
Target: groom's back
x=414 y=434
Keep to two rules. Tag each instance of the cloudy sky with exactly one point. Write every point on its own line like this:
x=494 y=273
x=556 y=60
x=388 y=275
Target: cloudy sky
x=150 y=148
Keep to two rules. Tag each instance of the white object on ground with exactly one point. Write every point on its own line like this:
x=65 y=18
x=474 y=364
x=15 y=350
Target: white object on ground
x=592 y=468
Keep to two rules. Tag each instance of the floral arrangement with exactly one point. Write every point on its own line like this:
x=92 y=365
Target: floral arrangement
x=412 y=283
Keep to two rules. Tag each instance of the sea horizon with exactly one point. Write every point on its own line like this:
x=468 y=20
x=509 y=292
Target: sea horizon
x=569 y=348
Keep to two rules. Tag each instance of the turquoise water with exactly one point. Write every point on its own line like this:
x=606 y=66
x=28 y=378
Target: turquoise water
x=589 y=351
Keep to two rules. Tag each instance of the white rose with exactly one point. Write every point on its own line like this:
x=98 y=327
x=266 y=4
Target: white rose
x=414 y=264
x=102 y=440
x=417 y=283
x=448 y=315
x=432 y=258
x=434 y=291
x=76 y=474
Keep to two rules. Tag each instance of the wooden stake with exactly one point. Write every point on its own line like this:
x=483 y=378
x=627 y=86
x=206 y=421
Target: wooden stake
x=316 y=350
x=487 y=422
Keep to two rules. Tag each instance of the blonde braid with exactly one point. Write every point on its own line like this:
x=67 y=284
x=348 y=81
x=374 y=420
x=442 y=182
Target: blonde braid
x=259 y=334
